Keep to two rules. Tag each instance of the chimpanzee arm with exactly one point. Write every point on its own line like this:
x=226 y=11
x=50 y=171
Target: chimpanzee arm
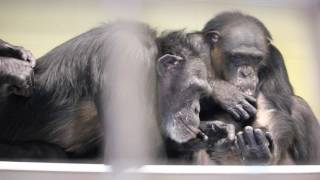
x=306 y=148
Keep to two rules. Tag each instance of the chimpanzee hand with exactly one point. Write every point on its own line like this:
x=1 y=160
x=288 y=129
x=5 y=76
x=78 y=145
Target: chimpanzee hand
x=240 y=105
x=16 y=65
x=221 y=135
x=17 y=52
x=18 y=74
x=254 y=146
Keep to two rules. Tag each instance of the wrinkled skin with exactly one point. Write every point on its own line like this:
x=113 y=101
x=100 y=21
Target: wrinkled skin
x=16 y=68
x=180 y=91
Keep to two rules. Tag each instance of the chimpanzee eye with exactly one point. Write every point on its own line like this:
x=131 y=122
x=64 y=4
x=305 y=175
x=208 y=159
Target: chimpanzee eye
x=200 y=87
x=259 y=58
x=256 y=59
x=234 y=59
x=235 y=56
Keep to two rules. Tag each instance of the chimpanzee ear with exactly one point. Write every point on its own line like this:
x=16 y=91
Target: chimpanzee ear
x=269 y=41
x=168 y=62
x=213 y=36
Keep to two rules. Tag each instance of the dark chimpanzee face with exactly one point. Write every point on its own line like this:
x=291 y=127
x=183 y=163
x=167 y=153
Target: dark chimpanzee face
x=182 y=81
x=240 y=49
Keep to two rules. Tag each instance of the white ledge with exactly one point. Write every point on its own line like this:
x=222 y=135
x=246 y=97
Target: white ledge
x=159 y=169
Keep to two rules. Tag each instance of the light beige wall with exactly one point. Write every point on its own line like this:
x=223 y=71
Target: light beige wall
x=42 y=25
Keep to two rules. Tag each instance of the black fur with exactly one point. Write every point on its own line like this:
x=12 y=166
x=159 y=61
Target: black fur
x=65 y=108
x=63 y=116
x=288 y=128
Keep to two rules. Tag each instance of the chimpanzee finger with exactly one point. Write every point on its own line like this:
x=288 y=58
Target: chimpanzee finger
x=237 y=146
x=260 y=137
x=269 y=137
x=234 y=113
x=270 y=140
x=251 y=100
x=249 y=136
x=19 y=52
x=202 y=136
x=31 y=59
x=244 y=115
x=249 y=108
x=23 y=63
x=240 y=140
x=231 y=130
x=23 y=54
x=218 y=127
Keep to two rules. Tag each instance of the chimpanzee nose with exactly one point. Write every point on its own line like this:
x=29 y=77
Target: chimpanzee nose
x=246 y=71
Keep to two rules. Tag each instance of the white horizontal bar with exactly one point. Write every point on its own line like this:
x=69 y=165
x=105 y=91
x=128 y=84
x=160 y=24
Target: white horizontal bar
x=159 y=169
x=55 y=167
x=186 y=169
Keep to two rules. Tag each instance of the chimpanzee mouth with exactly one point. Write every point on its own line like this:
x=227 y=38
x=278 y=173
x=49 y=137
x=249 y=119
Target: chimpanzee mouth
x=196 y=131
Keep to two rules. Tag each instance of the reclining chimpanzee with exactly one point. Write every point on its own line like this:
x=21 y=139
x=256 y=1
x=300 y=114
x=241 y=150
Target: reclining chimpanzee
x=62 y=116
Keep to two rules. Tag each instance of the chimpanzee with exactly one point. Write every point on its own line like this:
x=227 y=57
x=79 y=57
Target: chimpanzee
x=184 y=81
x=62 y=116
x=16 y=68
x=244 y=58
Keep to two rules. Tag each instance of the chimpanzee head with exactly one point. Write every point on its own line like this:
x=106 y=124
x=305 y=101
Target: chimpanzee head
x=239 y=48
x=182 y=77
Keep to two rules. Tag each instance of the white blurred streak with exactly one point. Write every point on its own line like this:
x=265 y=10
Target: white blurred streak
x=130 y=97
x=130 y=120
